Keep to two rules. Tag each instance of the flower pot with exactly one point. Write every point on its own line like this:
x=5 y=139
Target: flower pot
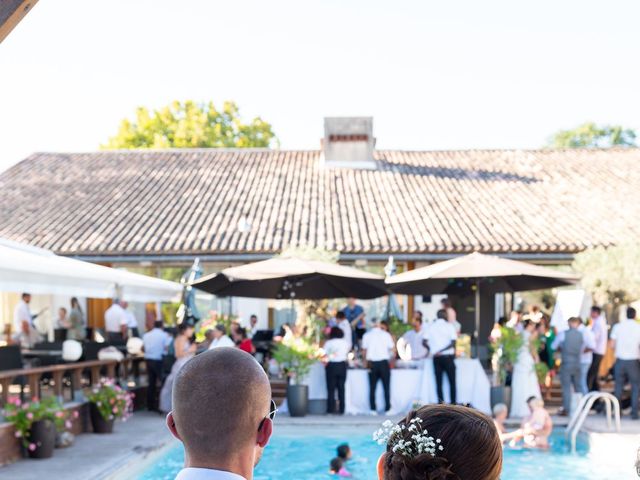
x=298 y=400
x=501 y=394
x=100 y=425
x=43 y=435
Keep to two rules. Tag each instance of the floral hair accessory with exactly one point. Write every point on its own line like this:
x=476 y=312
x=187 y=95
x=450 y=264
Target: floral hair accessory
x=419 y=440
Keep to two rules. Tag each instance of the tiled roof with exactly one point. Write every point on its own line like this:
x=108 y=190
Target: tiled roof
x=191 y=201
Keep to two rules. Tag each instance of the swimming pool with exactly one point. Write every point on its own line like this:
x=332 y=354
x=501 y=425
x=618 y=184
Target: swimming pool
x=293 y=456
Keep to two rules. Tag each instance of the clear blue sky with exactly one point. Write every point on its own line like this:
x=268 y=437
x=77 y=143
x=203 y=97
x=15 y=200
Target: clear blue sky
x=434 y=74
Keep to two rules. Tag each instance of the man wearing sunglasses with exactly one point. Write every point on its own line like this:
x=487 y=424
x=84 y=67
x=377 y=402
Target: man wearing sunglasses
x=223 y=414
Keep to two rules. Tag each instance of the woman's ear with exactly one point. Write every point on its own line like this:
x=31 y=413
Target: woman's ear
x=380 y=466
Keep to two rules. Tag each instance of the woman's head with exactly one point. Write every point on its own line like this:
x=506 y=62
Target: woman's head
x=471 y=447
x=529 y=325
x=336 y=332
x=74 y=303
x=185 y=329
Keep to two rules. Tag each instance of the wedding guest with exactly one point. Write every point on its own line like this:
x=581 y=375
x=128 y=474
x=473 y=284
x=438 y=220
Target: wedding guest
x=452 y=316
x=377 y=349
x=524 y=381
x=571 y=345
x=440 y=340
x=411 y=341
x=223 y=414
x=599 y=330
x=62 y=321
x=354 y=313
x=184 y=351
x=625 y=341
x=537 y=427
x=500 y=414
x=155 y=344
x=337 y=351
x=132 y=322
x=115 y=322
x=467 y=447
x=345 y=326
x=245 y=344
x=586 y=358
x=206 y=343
x=24 y=331
x=253 y=325
x=76 y=321
x=220 y=338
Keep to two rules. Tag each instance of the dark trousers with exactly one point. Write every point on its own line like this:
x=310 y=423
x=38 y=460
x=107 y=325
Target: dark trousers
x=380 y=371
x=135 y=332
x=445 y=364
x=154 y=375
x=628 y=369
x=115 y=337
x=336 y=377
x=569 y=377
x=593 y=384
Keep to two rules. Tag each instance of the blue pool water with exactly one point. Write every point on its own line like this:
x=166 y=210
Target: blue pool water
x=306 y=457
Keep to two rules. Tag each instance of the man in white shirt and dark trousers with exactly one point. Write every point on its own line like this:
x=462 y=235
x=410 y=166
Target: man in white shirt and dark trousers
x=599 y=330
x=625 y=340
x=345 y=326
x=440 y=340
x=115 y=322
x=337 y=351
x=24 y=332
x=378 y=349
x=156 y=342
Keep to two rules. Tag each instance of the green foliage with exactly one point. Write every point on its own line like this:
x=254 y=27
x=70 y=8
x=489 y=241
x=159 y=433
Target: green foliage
x=23 y=416
x=191 y=125
x=505 y=347
x=591 y=135
x=611 y=274
x=542 y=369
x=112 y=401
x=295 y=357
x=397 y=327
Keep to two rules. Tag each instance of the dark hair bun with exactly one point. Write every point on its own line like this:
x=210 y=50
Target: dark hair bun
x=420 y=467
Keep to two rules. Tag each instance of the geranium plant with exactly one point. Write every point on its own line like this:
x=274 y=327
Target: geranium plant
x=295 y=357
x=505 y=346
x=24 y=415
x=111 y=400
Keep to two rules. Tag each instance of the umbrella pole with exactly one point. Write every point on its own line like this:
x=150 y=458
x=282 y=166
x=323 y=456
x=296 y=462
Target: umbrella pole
x=477 y=319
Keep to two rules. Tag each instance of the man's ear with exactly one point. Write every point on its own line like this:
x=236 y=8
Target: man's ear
x=380 y=466
x=171 y=425
x=264 y=434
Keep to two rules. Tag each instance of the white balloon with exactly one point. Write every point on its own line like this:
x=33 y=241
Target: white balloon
x=134 y=346
x=71 y=350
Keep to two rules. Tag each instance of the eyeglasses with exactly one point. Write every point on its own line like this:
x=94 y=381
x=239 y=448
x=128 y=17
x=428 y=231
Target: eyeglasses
x=271 y=415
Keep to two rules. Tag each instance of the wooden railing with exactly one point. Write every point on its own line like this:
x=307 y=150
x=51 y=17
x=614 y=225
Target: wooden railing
x=33 y=376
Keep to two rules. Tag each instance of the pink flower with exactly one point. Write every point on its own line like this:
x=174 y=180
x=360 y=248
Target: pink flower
x=34 y=399
x=114 y=410
x=18 y=434
x=59 y=414
x=75 y=414
x=32 y=447
x=67 y=424
x=16 y=401
x=30 y=416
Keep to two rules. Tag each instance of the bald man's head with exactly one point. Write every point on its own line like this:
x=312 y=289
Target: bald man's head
x=219 y=399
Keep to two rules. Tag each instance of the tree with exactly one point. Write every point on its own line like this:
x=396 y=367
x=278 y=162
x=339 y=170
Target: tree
x=191 y=125
x=593 y=136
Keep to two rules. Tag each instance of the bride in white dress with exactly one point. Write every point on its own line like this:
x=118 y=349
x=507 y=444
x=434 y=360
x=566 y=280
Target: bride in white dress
x=524 y=382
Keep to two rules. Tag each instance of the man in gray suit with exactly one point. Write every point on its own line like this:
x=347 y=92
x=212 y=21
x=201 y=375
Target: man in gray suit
x=571 y=344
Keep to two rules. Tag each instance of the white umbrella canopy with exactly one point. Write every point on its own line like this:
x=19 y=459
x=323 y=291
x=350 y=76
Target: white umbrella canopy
x=290 y=277
x=35 y=270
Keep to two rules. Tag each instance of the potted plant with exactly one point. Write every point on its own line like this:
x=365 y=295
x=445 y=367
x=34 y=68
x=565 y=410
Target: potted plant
x=107 y=402
x=36 y=423
x=505 y=344
x=295 y=357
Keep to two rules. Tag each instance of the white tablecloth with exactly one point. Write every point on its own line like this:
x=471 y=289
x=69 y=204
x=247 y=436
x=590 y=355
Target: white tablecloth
x=407 y=386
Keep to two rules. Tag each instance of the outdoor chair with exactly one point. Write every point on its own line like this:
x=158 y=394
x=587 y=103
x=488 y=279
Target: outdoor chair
x=11 y=359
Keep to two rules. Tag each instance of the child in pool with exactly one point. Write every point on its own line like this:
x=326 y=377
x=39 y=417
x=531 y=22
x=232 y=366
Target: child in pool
x=336 y=467
x=537 y=426
x=344 y=452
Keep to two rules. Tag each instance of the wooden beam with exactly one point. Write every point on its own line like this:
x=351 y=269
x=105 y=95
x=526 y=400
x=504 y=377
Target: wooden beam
x=11 y=12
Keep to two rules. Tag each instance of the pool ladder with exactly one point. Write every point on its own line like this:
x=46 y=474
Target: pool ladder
x=582 y=411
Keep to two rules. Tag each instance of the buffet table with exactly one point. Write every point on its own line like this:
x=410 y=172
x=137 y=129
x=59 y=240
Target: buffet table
x=408 y=386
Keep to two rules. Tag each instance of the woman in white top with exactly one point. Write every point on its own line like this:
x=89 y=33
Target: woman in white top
x=336 y=350
x=184 y=351
x=524 y=383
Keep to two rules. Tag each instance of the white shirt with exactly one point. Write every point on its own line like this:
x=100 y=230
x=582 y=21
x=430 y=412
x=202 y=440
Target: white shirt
x=21 y=314
x=378 y=344
x=206 y=474
x=114 y=318
x=337 y=349
x=155 y=342
x=599 y=329
x=223 y=341
x=345 y=326
x=588 y=341
x=440 y=334
x=627 y=337
x=131 y=319
x=413 y=341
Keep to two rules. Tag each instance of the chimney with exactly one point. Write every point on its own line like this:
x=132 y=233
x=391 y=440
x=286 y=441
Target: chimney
x=348 y=143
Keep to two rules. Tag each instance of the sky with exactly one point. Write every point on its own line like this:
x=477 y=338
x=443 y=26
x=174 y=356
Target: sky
x=435 y=75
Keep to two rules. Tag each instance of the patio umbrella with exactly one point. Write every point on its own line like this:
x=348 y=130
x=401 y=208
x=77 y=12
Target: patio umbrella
x=293 y=278
x=188 y=310
x=477 y=272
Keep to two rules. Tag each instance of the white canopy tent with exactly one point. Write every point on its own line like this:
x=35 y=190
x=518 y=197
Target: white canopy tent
x=28 y=269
